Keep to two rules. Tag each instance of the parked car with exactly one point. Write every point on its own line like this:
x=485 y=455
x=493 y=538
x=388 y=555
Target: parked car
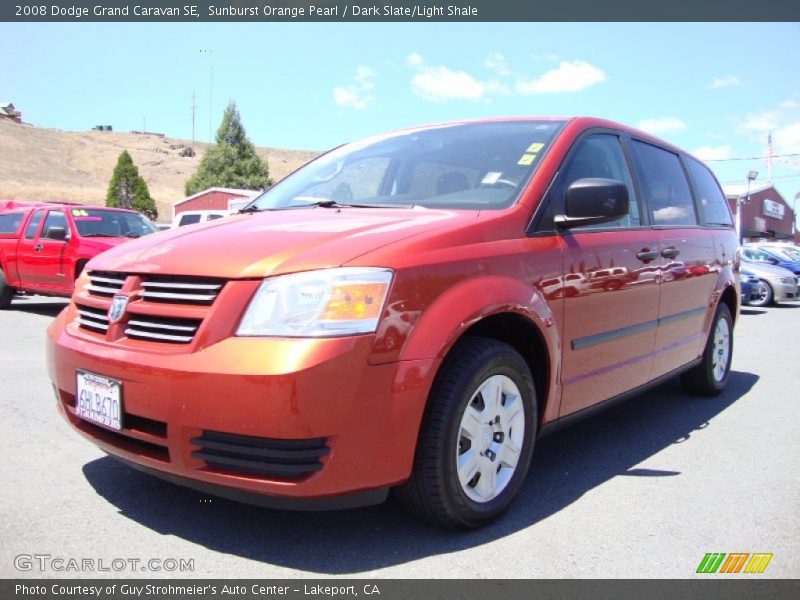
x=44 y=247
x=379 y=321
x=751 y=288
x=776 y=283
x=772 y=255
x=191 y=217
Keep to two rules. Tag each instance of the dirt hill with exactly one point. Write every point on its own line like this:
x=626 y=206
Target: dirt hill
x=49 y=164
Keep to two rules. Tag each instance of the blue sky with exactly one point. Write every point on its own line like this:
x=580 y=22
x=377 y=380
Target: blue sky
x=714 y=89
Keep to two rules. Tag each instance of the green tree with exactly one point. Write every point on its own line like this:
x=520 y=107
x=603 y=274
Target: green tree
x=128 y=189
x=232 y=161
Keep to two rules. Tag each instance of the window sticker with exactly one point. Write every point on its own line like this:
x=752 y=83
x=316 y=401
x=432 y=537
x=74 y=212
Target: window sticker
x=491 y=178
x=77 y=212
x=526 y=159
x=535 y=147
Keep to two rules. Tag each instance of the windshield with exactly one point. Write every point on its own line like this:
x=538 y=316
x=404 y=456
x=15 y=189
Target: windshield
x=472 y=165
x=110 y=223
x=789 y=254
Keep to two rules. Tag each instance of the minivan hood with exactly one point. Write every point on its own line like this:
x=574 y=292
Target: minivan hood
x=274 y=242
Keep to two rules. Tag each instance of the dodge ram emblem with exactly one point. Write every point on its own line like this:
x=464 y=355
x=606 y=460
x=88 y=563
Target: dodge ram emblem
x=117 y=309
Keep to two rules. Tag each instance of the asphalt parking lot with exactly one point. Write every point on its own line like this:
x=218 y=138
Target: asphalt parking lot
x=642 y=490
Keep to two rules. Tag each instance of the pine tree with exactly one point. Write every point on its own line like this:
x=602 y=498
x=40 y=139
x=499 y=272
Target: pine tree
x=232 y=161
x=128 y=189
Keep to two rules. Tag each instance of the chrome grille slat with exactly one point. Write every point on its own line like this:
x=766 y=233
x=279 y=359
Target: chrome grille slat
x=131 y=332
x=189 y=328
x=178 y=296
x=119 y=282
x=183 y=286
x=92 y=324
x=102 y=290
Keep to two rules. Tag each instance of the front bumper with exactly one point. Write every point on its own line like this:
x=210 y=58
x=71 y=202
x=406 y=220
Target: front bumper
x=286 y=392
x=784 y=291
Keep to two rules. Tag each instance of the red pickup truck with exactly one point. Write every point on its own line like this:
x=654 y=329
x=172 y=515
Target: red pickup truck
x=43 y=247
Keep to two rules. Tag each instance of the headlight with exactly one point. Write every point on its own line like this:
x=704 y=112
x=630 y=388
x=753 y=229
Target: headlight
x=324 y=303
x=788 y=280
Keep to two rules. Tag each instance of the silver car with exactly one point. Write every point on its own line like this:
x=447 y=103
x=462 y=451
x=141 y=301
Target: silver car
x=776 y=283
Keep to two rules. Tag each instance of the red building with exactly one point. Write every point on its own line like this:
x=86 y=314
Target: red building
x=215 y=198
x=764 y=212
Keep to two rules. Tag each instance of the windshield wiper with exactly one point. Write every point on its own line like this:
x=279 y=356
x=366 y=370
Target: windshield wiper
x=249 y=209
x=100 y=235
x=335 y=204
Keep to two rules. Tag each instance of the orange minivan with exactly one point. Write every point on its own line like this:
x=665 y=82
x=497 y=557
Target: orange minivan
x=389 y=317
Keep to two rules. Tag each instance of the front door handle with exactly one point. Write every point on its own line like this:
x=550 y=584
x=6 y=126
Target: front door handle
x=647 y=255
x=37 y=248
x=670 y=252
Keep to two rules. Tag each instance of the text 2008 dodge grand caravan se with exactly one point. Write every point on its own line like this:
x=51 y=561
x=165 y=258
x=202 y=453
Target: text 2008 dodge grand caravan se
x=409 y=311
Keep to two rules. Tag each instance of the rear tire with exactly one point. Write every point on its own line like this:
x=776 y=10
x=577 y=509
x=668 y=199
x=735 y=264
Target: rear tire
x=6 y=292
x=476 y=438
x=711 y=375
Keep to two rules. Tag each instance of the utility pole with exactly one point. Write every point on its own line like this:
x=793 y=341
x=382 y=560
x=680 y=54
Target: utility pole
x=208 y=52
x=194 y=110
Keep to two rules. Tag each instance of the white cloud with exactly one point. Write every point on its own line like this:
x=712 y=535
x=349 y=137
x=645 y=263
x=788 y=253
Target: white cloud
x=761 y=122
x=786 y=140
x=413 y=60
x=439 y=84
x=721 y=82
x=496 y=62
x=713 y=152
x=662 y=125
x=790 y=104
x=566 y=77
x=356 y=94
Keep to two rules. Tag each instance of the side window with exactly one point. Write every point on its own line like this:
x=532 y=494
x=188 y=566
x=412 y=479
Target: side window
x=188 y=220
x=9 y=223
x=30 y=230
x=55 y=218
x=600 y=155
x=713 y=205
x=665 y=182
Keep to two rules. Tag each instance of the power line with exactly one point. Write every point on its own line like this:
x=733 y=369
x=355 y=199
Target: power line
x=751 y=157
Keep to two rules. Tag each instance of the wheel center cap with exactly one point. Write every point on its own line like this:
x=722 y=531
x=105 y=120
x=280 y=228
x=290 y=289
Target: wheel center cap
x=487 y=435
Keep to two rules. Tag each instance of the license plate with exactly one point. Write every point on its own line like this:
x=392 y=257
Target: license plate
x=98 y=399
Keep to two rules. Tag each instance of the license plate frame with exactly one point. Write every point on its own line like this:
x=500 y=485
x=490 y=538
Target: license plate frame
x=98 y=399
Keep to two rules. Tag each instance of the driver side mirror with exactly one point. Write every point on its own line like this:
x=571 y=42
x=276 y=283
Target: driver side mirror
x=593 y=200
x=56 y=233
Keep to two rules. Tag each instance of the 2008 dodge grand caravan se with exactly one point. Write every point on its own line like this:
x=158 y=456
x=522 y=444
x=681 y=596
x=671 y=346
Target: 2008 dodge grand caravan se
x=409 y=311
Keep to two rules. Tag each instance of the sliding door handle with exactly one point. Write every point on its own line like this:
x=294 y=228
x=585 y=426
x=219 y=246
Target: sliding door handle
x=670 y=252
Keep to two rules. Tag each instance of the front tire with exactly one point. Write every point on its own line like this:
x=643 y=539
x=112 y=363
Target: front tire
x=764 y=295
x=711 y=375
x=476 y=439
x=6 y=292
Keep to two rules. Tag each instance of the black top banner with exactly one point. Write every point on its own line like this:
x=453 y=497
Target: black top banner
x=399 y=10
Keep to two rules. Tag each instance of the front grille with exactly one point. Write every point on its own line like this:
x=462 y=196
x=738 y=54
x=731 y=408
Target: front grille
x=104 y=283
x=249 y=455
x=93 y=319
x=181 y=290
x=161 y=329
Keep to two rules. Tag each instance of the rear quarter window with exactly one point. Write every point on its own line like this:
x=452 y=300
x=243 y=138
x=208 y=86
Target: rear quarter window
x=713 y=205
x=10 y=222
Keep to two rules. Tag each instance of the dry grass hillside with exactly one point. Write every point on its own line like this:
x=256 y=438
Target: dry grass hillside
x=49 y=164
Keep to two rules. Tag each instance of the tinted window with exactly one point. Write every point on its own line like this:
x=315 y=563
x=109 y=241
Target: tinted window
x=9 y=223
x=55 y=218
x=188 y=220
x=600 y=155
x=712 y=200
x=30 y=230
x=666 y=186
